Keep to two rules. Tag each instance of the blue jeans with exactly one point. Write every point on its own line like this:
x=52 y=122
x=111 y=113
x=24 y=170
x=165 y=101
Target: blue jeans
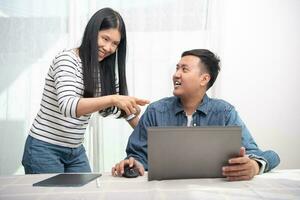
x=42 y=157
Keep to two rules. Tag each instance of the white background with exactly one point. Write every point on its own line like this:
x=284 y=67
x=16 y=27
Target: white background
x=257 y=41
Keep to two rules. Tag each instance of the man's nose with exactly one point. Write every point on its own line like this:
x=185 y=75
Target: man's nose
x=177 y=73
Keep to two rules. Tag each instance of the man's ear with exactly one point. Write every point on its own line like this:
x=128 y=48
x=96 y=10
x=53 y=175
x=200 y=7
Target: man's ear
x=205 y=78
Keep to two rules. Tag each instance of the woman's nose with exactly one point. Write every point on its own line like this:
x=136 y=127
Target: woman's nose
x=106 y=47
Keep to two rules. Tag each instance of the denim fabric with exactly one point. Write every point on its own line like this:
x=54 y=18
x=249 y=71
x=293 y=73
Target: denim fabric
x=42 y=157
x=211 y=112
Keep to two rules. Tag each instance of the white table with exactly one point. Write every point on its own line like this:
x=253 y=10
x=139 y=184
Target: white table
x=280 y=184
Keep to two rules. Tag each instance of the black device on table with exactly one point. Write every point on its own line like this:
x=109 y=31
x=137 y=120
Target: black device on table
x=68 y=180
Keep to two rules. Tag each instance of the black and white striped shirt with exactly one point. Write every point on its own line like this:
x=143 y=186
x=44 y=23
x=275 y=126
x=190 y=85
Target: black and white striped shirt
x=56 y=121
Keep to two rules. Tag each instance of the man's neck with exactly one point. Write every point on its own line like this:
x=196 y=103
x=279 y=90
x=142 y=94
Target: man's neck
x=191 y=103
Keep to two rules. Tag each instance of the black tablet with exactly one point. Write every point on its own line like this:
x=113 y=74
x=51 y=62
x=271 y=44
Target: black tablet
x=67 y=180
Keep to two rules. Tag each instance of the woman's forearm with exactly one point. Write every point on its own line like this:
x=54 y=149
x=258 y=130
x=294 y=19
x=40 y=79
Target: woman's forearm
x=90 y=105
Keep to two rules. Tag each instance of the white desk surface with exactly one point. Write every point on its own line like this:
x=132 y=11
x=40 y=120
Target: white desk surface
x=278 y=184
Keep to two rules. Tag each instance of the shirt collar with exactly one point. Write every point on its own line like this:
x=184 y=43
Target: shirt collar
x=178 y=106
x=203 y=107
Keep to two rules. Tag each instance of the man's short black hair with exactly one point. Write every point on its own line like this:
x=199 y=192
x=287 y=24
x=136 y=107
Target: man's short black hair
x=210 y=61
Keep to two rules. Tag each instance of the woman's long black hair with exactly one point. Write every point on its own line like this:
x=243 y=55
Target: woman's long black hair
x=101 y=76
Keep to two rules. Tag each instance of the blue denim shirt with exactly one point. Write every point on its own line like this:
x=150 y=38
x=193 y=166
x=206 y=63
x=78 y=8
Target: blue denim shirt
x=211 y=112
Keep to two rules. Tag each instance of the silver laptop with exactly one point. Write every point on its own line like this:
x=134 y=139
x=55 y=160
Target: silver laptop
x=191 y=152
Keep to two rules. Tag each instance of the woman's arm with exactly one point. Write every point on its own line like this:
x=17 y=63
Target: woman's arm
x=127 y=103
x=90 y=105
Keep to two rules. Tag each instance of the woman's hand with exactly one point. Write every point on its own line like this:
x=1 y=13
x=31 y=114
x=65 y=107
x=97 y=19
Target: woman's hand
x=129 y=104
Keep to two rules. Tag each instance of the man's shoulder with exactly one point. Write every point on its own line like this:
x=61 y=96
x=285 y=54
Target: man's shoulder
x=219 y=104
x=163 y=104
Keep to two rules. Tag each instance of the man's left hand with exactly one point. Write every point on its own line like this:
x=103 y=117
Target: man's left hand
x=241 y=168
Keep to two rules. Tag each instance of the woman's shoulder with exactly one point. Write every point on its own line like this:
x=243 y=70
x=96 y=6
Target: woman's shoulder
x=67 y=54
x=66 y=57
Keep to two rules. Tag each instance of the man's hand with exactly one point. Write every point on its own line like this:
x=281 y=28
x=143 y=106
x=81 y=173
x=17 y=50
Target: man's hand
x=118 y=169
x=241 y=168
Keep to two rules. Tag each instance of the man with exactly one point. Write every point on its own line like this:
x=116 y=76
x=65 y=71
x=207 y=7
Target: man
x=195 y=73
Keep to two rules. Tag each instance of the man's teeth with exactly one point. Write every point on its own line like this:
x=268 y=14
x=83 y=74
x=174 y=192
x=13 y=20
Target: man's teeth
x=177 y=83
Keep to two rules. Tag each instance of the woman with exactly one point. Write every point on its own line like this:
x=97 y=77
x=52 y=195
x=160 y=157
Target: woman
x=79 y=82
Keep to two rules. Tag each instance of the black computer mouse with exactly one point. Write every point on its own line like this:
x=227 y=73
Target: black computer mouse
x=130 y=172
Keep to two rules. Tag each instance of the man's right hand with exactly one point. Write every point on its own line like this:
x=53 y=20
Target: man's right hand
x=118 y=169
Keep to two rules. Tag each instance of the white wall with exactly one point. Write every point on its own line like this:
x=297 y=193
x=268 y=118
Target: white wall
x=257 y=40
x=260 y=56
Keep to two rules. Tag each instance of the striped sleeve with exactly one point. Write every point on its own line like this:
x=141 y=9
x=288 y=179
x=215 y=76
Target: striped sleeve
x=63 y=71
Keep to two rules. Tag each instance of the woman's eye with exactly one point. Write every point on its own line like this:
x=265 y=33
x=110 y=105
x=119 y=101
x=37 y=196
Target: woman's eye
x=105 y=39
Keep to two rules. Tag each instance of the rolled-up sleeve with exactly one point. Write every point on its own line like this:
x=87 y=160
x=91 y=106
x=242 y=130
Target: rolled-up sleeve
x=137 y=142
x=270 y=157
